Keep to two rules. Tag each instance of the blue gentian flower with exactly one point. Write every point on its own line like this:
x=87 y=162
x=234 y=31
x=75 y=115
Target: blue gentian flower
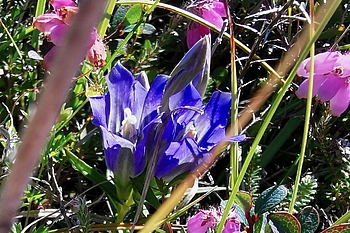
x=121 y=115
x=165 y=121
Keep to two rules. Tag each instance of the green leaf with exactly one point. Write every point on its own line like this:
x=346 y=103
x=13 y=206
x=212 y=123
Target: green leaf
x=309 y=219
x=284 y=222
x=260 y=223
x=270 y=198
x=133 y=15
x=220 y=74
x=241 y=214
x=283 y=135
x=146 y=29
x=244 y=200
x=119 y=16
x=93 y=175
x=150 y=197
x=341 y=228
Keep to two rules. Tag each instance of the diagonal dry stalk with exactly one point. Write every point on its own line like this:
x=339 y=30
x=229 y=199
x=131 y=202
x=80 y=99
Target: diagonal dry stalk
x=66 y=63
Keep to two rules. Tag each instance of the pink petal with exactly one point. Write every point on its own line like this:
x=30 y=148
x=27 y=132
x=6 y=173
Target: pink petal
x=57 y=33
x=67 y=13
x=45 y=22
x=212 y=16
x=97 y=54
x=342 y=66
x=219 y=8
x=304 y=86
x=195 y=32
x=324 y=64
x=330 y=87
x=231 y=226
x=48 y=58
x=197 y=224
x=57 y=4
x=340 y=102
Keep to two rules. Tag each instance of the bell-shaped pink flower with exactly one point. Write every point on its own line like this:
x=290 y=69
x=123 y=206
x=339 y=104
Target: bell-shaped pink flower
x=232 y=224
x=55 y=25
x=202 y=221
x=210 y=10
x=205 y=219
x=331 y=80
x=97 y=53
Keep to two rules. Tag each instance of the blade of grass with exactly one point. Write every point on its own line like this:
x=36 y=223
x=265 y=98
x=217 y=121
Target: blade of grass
x=40 y=9
x=307 y=113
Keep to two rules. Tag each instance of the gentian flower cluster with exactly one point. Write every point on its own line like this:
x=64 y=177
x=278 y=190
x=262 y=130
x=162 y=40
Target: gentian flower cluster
x=209 y=219
x=54 y=25
x=210 y=10
x=331 y=80
x=165 y=120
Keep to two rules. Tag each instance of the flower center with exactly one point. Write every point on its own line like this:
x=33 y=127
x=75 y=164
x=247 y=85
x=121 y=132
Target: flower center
x=128 y=124
x=192 y=133
x=338 y=70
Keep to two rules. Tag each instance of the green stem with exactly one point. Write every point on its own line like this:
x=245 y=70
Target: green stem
x=102 y=27
x=40 y=9
x=307 y=115
x=130 y=34
x=274 y=106
x=234 y=157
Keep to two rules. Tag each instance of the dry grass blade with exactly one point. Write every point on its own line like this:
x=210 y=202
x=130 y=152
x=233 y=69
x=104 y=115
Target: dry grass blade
x=34 y=137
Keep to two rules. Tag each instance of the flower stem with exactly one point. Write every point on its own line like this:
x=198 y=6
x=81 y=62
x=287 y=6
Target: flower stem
x=234 y=157
x=307 y=113
x=40 y=8
x=102 y=27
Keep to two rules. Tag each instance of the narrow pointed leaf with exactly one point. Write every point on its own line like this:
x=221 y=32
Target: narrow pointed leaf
x=150 y=197
x=270 y=198
x=92 y=175
x=309 y=219
x=284 y=222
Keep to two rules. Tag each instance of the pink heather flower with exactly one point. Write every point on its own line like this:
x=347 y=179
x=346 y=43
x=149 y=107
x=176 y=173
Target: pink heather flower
x=210 y=10
x=232 y=224
x=331 y=80
x=208 y=219
x=54 y=26
x=202 y=221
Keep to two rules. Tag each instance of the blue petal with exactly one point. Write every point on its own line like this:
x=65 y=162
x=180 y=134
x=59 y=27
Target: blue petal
x=196 y=61
x=153 y=99
x=100 y=110
x=119 y=82
x=211 y=125
x=137 y=99
x=179 y=157
x=237 y=138
x=112 y=145
x=188 y=97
